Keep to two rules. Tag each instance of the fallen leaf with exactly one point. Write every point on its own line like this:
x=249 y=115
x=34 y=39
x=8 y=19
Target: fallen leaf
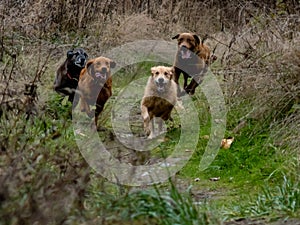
x=226 y=143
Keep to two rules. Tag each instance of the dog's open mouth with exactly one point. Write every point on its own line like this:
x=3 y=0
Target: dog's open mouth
x=185 y=54
x=101 y=76
x=160 y=86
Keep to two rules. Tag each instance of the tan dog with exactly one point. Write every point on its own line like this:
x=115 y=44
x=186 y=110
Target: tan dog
x=159 y=98
x=95 y=85
x=192 y=60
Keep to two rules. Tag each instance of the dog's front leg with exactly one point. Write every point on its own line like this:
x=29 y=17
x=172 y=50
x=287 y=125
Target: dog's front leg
x=185 y=80
x=151 y=128
x=146 y=119
x=190 y=89
x=84 y=107
x=160 y=125
x=195 y=82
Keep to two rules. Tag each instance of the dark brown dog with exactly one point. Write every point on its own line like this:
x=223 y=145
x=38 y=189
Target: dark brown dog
x=192 y=60
x=159 y=98
x=95 y=85
x=67 y=75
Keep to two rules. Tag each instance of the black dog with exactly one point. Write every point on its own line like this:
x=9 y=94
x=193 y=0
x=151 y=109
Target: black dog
x=67 y=75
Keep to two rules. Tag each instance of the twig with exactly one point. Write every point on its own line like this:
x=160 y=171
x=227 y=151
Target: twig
x=9 y=78
x=228 y=46
x=42 y=70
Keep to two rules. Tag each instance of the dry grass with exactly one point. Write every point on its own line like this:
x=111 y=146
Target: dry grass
x=260 y=64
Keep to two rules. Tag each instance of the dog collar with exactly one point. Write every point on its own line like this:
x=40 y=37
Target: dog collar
x=71 y=78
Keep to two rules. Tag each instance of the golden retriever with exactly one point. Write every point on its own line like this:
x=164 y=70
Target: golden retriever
x=159 y=98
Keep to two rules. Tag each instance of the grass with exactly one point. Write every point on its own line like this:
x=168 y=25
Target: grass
x=271 y=203
x=156 y=205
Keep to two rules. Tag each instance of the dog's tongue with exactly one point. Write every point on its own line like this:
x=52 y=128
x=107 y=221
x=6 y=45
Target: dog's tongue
x=185 y=54
x=98 y=74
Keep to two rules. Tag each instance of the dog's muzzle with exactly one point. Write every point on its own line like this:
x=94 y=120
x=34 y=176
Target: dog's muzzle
x=185 y=53
x=80 y=61
x=102 y=74
x=160 y=84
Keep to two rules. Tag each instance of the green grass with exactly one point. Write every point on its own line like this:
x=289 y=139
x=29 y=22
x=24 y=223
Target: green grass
x=272 y=202
x=156 y=205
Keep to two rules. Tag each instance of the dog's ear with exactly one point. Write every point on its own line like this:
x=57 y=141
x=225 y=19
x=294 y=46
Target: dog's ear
x=171 y=72
x=153 y=70
x=89 y=66
x=112 y=64
x=197 y=39
x=83 y=53
x=70 y=54
x=89 y=63
x=175 y=37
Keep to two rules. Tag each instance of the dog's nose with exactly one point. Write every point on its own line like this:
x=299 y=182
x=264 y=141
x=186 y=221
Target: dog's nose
x=82 y=60
x=160 y=80
x=103 y=70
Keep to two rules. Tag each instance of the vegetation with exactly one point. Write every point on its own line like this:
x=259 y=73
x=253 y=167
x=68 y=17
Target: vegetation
x=45 y=179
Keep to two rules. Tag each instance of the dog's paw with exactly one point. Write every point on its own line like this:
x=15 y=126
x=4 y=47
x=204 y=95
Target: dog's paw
x=147 y=131
x=91 y=113
x=179 y=106
x=93 y=126
x=151 y=136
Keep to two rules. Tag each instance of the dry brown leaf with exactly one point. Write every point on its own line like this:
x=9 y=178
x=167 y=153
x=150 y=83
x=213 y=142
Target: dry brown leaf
x=226 y=142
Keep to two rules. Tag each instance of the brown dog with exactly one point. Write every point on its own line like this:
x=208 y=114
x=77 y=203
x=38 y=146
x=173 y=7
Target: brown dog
x=159 y=98
x=67 y=75
x=95 y=85
x=192 y=60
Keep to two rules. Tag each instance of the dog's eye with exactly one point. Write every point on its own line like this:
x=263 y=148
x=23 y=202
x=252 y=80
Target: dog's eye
x=166 y=73
x=156 y=72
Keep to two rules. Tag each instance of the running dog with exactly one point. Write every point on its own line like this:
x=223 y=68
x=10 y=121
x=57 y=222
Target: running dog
x=95 y=85
x=67 y=75
x=159 y=98
x=192 y=60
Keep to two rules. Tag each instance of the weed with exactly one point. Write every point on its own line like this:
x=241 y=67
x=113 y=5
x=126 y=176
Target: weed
x=280 y=201
x=163 y=207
